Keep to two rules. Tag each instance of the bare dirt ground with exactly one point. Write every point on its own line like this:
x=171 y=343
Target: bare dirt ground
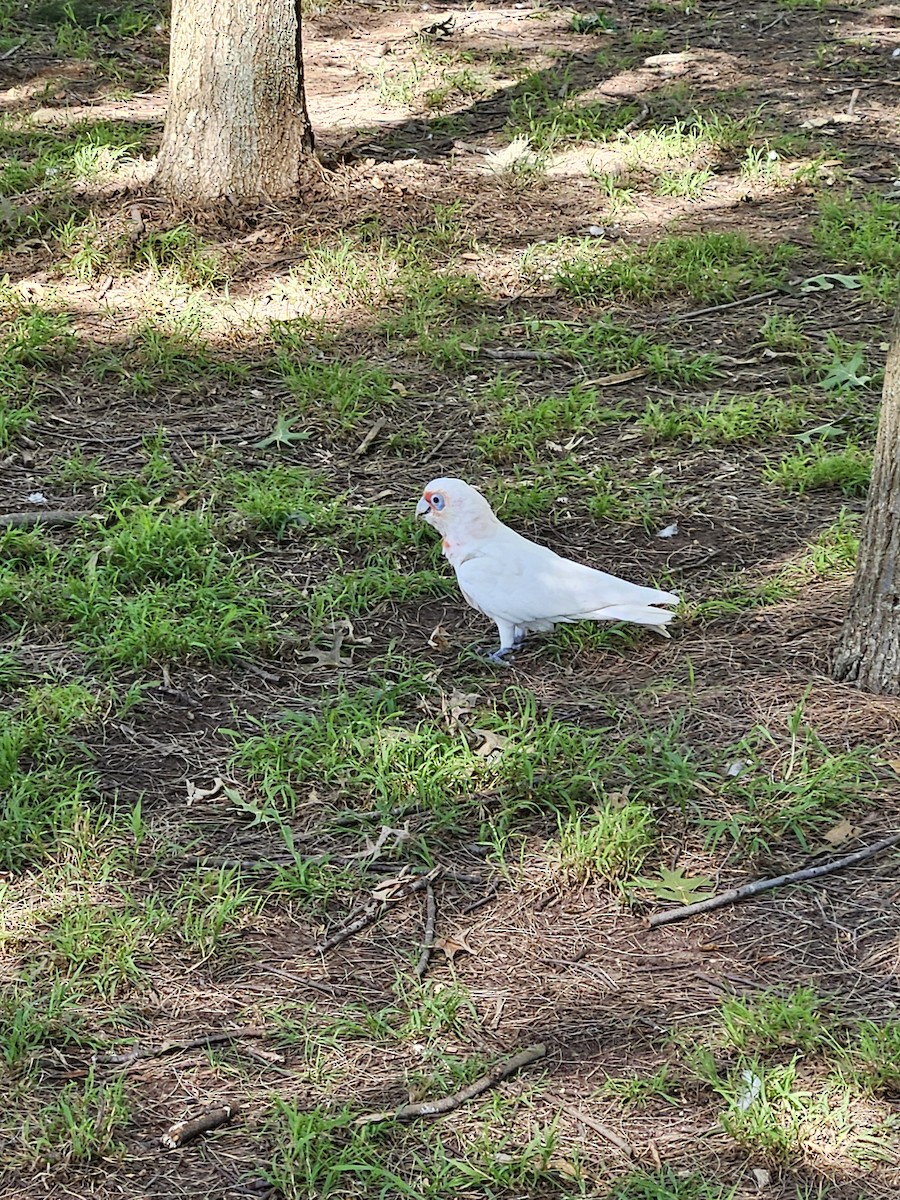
x=543 y=958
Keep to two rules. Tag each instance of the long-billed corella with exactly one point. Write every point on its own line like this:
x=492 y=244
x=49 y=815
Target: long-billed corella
x=521 y=586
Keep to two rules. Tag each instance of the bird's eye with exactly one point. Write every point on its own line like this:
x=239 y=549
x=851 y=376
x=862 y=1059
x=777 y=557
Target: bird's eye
x=437 y=503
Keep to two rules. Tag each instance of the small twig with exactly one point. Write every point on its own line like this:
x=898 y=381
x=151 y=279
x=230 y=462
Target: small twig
x=206 y=1039
x=370 y=437
x=715 y=308
x=373 y=911
x=11 y=51
x=636 y=122
x=438 y=446
x=428 y=939
x=854 y=96
x=59 y=516
x=766 y=885
x=481 y=902
x=521 y=355
x=184 y=1131
x=606 y=381
x=438 y=1108
x=603 y=1130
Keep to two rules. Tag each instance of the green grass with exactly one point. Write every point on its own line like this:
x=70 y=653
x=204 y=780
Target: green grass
x=725 y=421
x=46 y=774
x=319 y=1153
x=249 y=571
x=789 y=786
x=520 y=431
x=610 y=348
x=344 y=394
x=610 y=843
x=54 y=159
x=153 y=587
x=688 y=184
x=821 y=466
x=860 y=233
x=81 y=1125
x=708 y=266
x=550 y=123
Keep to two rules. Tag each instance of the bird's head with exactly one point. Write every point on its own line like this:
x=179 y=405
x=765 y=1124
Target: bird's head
x=455 y=509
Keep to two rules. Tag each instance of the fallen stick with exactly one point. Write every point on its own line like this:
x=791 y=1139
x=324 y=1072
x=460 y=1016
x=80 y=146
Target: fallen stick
x=757 y=298
x=373 y=911
x=428 y=939
x=370 y=436
x=438 y=1108
x=59 y=516
x=206 y=1039
x=766 y=885
x=603 y=1130
x=184 y=1131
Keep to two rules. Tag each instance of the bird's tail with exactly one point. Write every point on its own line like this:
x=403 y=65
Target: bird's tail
x=638 y=614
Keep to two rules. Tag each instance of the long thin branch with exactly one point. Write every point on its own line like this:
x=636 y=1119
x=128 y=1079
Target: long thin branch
x=766 y=885
x=438 y=1108
x=206 y=1039
x=374 y=910
x=592 y=1123
x=59 y=516
x=757 y=298
x=428 y=939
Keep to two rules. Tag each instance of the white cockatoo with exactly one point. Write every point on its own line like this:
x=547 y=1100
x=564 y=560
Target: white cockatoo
x=521 y=586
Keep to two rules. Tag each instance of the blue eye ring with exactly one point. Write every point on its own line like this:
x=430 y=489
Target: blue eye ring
x=437 y=502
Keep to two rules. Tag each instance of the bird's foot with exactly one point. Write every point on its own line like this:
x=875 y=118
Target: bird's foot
x=499 y=656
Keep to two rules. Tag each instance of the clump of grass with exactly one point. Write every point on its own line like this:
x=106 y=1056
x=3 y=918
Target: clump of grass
x=610 y=843
x=81 y=1125
x=793 y=787
x=345 y=394
x=603 y=345
x=521 y=430
x=550 y=122
x=847 y=469
x=155 y=587
x=181 y=253
x=861 y=233
x=772 y=1022
x=711 y=266
x=45 y=775
x=784 y=333
x=376 y=750
x=724 y=422
x=688 y=184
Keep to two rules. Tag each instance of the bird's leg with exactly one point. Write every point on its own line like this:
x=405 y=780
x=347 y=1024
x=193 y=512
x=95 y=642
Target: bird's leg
x=499 y=656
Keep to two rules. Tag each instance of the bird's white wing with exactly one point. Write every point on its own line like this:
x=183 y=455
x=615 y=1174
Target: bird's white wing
x=515 y=580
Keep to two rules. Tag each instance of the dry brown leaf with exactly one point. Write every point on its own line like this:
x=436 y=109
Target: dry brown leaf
x=195 y=793
x=390 y=889
x=439 y=640
x=490 y=743
x=373 y=848
x=459 y=704
x=894 y=764
x=453 y=944
x=841 y=833
x=564 y=1167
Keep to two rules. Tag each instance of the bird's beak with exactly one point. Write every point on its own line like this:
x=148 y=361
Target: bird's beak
x=422 y=507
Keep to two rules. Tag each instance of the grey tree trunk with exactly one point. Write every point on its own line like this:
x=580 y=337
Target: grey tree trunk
x=237 y=127
x=868 y=651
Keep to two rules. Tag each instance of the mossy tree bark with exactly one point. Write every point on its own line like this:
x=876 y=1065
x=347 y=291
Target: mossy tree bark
x=868 y=652
x=237 y=127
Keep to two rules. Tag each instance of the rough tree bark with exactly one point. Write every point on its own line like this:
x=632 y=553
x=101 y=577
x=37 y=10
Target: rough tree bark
x=868 y=651
x=237 y=126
